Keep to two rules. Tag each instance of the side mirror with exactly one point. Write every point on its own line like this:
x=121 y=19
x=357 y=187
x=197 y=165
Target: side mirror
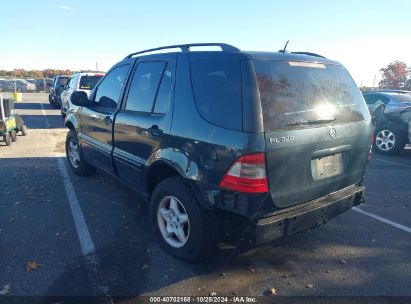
x=80 y=99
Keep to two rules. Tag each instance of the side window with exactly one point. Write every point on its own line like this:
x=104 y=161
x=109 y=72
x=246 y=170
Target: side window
x=73 y=82
x=68 y=83
x=164 y=93
x=384 y=99
x=369 y=99
x=108 y=92
x=144 y=86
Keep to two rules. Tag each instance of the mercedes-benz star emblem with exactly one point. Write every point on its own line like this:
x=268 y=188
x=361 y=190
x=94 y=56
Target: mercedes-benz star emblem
x=333 y=133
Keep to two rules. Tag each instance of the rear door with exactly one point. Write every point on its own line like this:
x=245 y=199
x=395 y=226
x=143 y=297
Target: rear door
x=317 y=129
x=144 y=121
x=96 y=134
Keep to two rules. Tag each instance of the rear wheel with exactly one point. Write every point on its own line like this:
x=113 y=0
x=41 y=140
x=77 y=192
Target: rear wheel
x=13 y=135
x=181 y=226
x=7 y=139
x=24 y=130
x=75 y=156
x=389 y=140
x=56 y=103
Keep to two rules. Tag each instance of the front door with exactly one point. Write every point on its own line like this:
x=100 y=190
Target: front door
x=96 y=134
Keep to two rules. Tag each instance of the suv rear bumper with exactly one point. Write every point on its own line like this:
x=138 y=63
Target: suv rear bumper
x=297 y=218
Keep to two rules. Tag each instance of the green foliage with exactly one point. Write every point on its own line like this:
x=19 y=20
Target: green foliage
x=366 y=89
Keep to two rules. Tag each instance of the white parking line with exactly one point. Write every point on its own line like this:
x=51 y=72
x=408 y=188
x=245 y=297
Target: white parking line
x=45 y=115
x=88 y=249
x=384 y=220
x=86 y=243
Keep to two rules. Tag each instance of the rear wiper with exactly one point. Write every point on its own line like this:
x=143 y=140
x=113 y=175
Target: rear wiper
x=311 y=122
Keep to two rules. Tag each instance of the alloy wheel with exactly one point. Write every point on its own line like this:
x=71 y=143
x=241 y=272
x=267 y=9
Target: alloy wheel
x=173 y=221
x=74 y=154
x=385 y=140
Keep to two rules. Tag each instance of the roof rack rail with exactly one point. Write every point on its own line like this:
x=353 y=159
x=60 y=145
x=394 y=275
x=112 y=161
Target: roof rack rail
x=308 y=53
x=186 y=48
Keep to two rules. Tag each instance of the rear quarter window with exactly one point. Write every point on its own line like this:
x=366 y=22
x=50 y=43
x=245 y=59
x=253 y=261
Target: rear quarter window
x=217 y=91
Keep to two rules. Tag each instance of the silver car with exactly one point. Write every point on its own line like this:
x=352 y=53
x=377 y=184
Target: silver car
x=391 y=100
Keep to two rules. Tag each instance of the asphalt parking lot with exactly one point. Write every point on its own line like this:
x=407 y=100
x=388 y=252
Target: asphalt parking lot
x=63 y=235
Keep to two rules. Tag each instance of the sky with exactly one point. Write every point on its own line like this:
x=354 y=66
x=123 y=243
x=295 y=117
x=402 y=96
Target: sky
x=78 y=34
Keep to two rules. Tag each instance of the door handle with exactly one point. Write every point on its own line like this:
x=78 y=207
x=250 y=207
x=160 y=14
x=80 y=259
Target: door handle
x=108 y=120
x=143 y=132
x=155 y=130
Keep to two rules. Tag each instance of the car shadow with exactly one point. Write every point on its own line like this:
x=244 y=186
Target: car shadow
x=40 y=122
x=32 y=106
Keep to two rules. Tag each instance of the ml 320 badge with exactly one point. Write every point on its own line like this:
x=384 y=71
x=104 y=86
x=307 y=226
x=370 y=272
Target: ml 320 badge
x=282 y=139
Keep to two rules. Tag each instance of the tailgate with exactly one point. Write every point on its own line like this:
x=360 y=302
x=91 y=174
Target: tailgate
x=317 y=129
x=303 y=165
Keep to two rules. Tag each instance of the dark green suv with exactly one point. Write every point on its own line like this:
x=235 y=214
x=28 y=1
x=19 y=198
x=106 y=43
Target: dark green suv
x=278 y=139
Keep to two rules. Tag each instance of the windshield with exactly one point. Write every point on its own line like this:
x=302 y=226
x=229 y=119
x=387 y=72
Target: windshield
x=88 y=82
x=302 y=94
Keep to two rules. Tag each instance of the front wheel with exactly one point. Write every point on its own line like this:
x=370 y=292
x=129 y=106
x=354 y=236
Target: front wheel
x=389 y=140
x=7 y=139
x=182 y=228
x=75 y=155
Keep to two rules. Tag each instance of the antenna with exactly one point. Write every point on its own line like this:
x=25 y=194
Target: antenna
x=285 y=47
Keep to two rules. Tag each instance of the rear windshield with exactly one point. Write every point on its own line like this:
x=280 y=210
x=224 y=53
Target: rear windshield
x=303 y=95
x=89 y=82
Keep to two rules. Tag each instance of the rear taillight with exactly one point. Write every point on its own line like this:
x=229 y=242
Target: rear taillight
x=247 y=174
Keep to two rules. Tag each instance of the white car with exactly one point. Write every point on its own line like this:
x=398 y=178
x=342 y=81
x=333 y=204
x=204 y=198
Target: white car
x=80 y=81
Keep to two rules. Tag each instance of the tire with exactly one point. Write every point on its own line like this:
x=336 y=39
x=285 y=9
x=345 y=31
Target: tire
x=24 y=130
x=7 y=139
x=13 y=135
x=198 y=227
x=389 y=140
x=57 y=103
x=76 y=161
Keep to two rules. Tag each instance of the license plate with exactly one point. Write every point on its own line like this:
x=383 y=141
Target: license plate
x=327 y=166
